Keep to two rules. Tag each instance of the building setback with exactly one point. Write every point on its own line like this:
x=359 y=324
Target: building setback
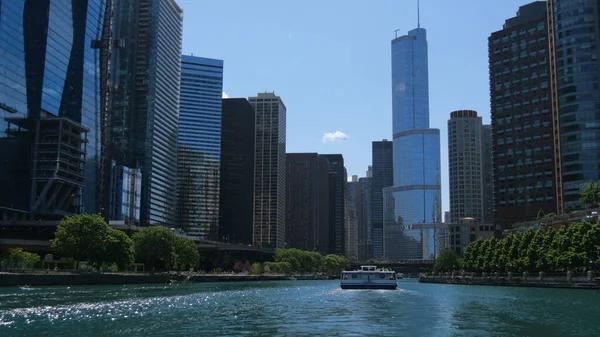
x=269 y=171
x=141 y=126
x=522 y=132
x=382 y=172
x=199 y=146
x=412 y=207
x=304 y=215
x=337 y=200
x=236 y=202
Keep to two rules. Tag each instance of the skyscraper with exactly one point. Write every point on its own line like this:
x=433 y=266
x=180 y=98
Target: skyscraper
x=575 y=96
x=304 y=217
x=365 y=218
x=337 y=201
x=199 y=146
x=383 y=176
x=236 y=210
x=412 y=207
x=523 y=165
x=351 y=222
x=487 y=169
x=49 y=101
x=269 y=171
x=141 y=126
x=465 y=158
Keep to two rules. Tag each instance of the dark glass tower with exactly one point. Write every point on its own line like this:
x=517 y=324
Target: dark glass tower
x=199 y=146
x=383 y=176
x=141 y=126
x=521 y=118
x=49 y=88
x=337 y=199
x=574 y=32
x=236 y=203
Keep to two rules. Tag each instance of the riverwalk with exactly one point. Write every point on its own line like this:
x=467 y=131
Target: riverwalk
x=538 y=280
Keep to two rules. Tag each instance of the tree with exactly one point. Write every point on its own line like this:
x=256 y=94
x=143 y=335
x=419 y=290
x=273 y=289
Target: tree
x=590 y=194
x=186 y=253
x=335 y=264
x=155 y=247
x=447 y=261
x=119 y=249
x=22 y=259
x=83 y=237
x=255 y=269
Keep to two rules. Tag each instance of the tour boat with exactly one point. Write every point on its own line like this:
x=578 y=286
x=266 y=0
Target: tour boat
x=369 y=277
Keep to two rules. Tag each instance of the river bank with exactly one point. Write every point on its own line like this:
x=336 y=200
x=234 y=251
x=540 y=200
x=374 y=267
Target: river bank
x=12 y=280
x=540 y=280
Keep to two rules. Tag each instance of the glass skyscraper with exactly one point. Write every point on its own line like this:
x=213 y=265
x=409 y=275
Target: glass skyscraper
x=141 y=123
x=49 y=83
x=412 y=207
x=199 y=146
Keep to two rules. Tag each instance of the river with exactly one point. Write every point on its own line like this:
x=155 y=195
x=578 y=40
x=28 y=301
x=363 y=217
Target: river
x=297 y=308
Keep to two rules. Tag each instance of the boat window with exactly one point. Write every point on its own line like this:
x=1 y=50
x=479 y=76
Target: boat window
x=354 y=276
x=381 y=275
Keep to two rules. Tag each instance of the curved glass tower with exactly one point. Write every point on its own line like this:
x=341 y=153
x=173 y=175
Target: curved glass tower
x=412 y=207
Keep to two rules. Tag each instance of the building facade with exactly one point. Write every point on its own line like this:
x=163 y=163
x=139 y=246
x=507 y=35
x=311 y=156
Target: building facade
x=141 y=127
x=337 y=204
x=199 y=146
x=383 y=176
x=306 y=208
x=412 y=207
x=352 y=218
x=465 y=165
x=269 y=171
x=236 y=200
x=365 y=218
x=49 y=86
x=522 y=126
x=126 y=194
x=574 y=30
x=487 y=168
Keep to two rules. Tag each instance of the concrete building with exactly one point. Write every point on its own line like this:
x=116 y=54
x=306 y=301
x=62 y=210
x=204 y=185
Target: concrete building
x=269 y=171
x=522 y=122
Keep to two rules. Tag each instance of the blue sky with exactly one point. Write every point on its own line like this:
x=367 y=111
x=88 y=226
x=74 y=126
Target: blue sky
x=329 y=60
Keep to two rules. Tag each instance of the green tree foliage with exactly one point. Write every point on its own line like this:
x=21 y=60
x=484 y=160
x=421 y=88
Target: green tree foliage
x=292 y=260
x=255 y=269
x=83 y=237
x=576 y=247
x=335 y=264
x=119 y=249
x=186 y=253
x=590 y=194
x=446 y=262
x=22 y=259
x=159 y=247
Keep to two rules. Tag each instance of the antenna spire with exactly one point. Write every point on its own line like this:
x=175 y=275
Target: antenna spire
x=418 y=15
x=396 y=31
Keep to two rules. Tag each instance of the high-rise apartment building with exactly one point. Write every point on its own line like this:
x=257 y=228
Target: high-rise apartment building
x=574 y=31
x=465 y=158
x=269 y=171
x=522 y=132
x=141 y=125
x=236 y=210
x=352 y=220
x=412 y=207
x=365 y=218
x=306 y=208
x=199 y=146
x=383 y=176
x=49 y=108
x=337 y=204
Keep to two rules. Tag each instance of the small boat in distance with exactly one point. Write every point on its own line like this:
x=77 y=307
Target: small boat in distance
x=369 y=277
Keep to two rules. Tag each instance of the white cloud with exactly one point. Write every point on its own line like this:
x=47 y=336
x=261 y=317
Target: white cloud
x=225 y=95
x=334 y=136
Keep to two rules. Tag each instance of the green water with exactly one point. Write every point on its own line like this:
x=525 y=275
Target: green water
x=297 y=308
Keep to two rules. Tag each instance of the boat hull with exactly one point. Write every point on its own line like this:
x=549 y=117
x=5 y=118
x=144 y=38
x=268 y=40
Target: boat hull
x=370 y=286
